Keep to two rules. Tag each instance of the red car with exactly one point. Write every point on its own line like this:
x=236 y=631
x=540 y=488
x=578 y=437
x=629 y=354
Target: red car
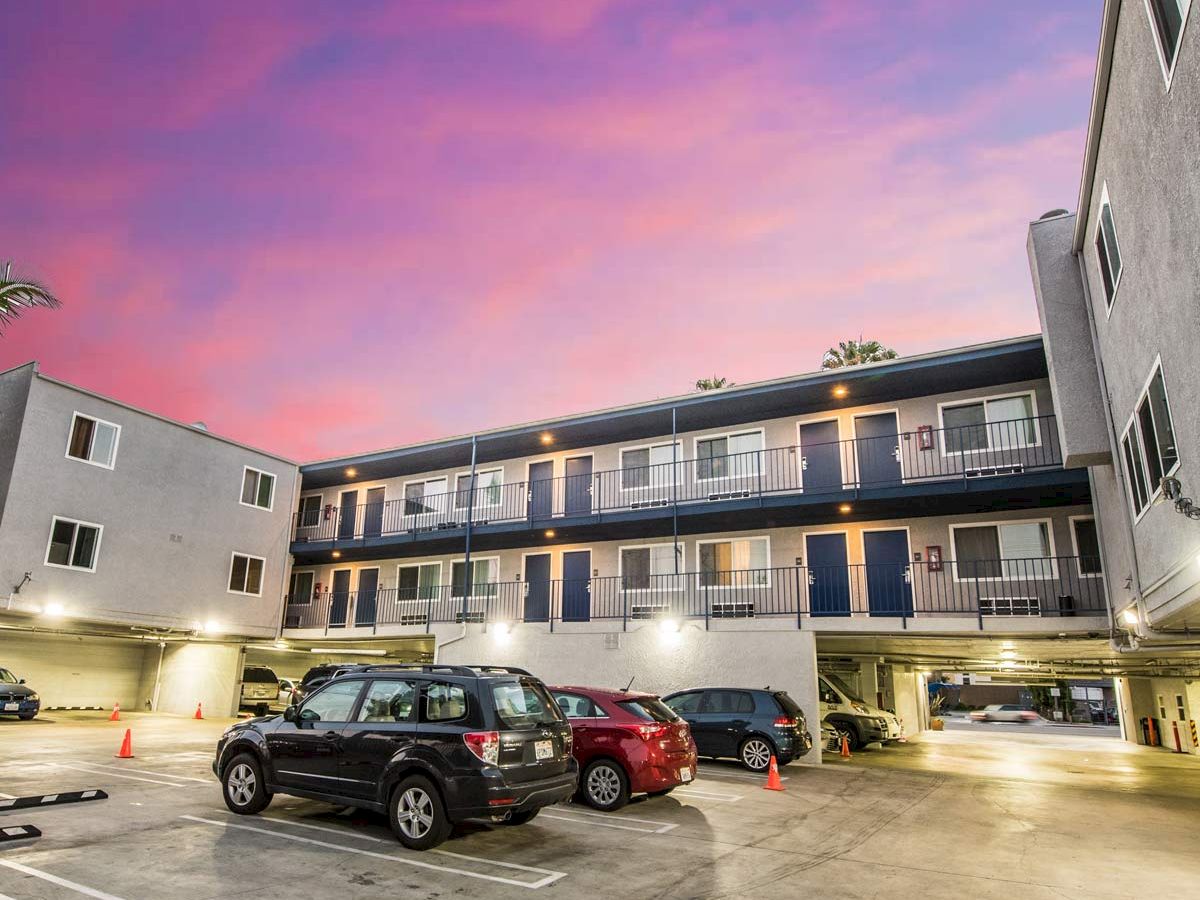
x=626 y=742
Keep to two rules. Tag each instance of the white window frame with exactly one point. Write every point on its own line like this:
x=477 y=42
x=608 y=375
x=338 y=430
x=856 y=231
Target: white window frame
x=765 y=538
x=475 y=559
x=674 y=580
x=75 y=415
x=416 y=517
x=418 y=566
x=54 y=520
x=1071 y=520
x=312 y=592
x=1168 y=72
x=1097 y=236
x=971 y=401
x=678 y=464
x=762 y=432
x=259 y=472
x=320 y=498
x=1152 y=490
x=478 y=472
x=997 y=524
x=229 y=574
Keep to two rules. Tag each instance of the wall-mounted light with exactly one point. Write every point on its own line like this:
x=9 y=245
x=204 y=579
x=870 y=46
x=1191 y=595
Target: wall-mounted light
x=209 y=626
x=501 y=631
x=845 y=508
x=550 y=532
x=351 y=472
x=336 y=554
x=1008 y=654
x=54 y=610
x=840 y=391
x=547 y=438
x=669 y=626
x=1129 y=616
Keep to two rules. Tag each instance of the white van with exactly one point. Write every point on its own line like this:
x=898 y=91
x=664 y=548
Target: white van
x=851 y=716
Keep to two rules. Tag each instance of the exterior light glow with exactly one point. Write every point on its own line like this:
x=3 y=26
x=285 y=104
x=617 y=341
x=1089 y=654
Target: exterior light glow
x=501 y=632
x=342 y=652
x=281 y=645
x=840 y=392
x=1008 y=654
x=1129 y=616
x=212 y=626
x=550 y=532
x=669 y=626
x=845 y=508
x=53 y=610
x=336 y=554
x=547 y=438
x=351 y=472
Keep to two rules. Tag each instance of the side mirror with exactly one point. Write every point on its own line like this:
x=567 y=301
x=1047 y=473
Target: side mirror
x=20 y=681
x=289 y=713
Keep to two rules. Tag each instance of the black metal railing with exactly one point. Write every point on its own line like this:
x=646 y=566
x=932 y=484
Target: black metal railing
x=965 y=453
x=989 y=588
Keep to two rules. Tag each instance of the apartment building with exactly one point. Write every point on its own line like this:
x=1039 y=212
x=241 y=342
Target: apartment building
x=138 y=555
x=724 y=537
x=1118 y=290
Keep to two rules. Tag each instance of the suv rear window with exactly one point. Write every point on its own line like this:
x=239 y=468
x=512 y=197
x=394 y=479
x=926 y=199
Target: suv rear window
x=258 y=673
x=524 y=705
x=649 y=708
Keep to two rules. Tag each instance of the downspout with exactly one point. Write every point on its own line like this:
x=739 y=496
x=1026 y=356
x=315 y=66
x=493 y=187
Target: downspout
x=468 y=578
x=162 y=646
x=674 y=491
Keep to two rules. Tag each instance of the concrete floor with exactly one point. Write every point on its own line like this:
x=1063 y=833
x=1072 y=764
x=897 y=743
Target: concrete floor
x=962 y=814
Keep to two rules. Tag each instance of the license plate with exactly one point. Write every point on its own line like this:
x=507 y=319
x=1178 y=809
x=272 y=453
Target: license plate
x=685 y=774
x=11 y=707
x=544 y=749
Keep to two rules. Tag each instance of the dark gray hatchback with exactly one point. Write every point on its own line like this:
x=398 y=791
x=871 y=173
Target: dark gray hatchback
x=749 y=725
x=428 y=745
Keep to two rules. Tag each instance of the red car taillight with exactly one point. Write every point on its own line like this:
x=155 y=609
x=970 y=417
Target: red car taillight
x=484 y=744
x=785 y=722
x=649 y=732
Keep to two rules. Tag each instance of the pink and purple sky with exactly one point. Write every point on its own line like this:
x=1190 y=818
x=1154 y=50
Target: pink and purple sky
x=324 y=229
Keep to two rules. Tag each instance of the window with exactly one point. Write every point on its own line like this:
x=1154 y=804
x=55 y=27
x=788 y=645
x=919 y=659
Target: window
x=487 y=489
x=646 y=568
x=1180 y=708
x=728 y=702
x=444 y=702
x=1008 y=550
x=1167 y=18
x=649 y=708
x=685 y=703
x=1148 y=447
x=728 y=456
x=310 y=511
x=649 y=467
x=573 y=706
x=73 y=545
x=425 y=496
x=1162 y=707
x=483 y=577
x=245 y=574
x=258 y=488
x=1087 y=546
x=388 y=701
x=521 y=705
x=991 y=423
x=419 y=582
x=93 y=441
x=740 y=563
x=333 y=704
x=300 y=590
x=1108 y=253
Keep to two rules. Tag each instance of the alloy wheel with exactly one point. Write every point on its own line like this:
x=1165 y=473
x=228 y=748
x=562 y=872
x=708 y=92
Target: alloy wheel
x=241 y=784
x=604 y=785
x=415 y=815
x=756 y=754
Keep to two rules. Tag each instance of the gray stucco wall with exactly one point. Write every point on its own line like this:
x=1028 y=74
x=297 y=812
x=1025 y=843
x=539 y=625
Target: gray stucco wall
x=170 y=513
x=14 y=391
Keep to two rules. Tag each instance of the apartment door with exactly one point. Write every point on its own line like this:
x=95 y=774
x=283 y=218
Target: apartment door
x=889 y=578
x=367 y=599
x=577 y=586
x=820 y=457
x=537 y=587
x=877 y=438
x=339 y=598
x=541 y=489
x=373 y=513
x=578 y=486
x=828 y=574
x=347 y=514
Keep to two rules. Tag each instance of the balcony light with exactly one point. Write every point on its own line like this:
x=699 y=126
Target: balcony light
x=351 y=472
x=54 y=610
x=669 y=626
x=211 y=626
x=840 y=391
x=336 y=554
x=547 y=438
x=845 y=508
x=1129 y=616
x=550 y=532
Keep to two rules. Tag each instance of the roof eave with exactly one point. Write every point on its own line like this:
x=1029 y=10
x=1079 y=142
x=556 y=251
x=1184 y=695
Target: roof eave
x=1108 y=38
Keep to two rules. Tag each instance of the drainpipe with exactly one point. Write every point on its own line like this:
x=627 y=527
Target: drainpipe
x=674 y=491
x=467 y=578
x=162 y=646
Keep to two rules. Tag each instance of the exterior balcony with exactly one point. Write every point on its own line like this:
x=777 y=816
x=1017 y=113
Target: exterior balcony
x=1011 y=464
x=973 y=595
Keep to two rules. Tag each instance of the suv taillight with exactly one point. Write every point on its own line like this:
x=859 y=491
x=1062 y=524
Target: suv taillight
x=484 y=744
x=785 y=722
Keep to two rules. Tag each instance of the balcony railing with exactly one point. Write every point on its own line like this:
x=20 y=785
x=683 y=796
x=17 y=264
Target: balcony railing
x=993 y=588
x=966 y=453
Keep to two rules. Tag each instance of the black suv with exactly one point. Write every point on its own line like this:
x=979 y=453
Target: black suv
x=749 y=725
x=318 y=675
x=429 y=745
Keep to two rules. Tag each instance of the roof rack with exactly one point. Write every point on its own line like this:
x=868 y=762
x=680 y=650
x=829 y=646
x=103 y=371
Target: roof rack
x=445 y=668
x=508 y=670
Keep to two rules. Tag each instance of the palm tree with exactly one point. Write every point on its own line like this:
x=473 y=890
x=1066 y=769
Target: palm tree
x=855 y=353
x=20 y=294
x=711 y=384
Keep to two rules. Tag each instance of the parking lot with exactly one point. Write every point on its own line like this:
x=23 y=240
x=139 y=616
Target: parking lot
x=952 y=815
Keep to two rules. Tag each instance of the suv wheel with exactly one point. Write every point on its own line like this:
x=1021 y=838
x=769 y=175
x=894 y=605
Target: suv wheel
x=604 y=785
x=417 y=815
x=755 y=753
x=243 y=786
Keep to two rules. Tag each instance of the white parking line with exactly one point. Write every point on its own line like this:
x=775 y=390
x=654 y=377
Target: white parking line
x=8 y=797
x=718 y=773
x=708 y=795
x=610 y=821
x=548 y=876
x=61 y=882
x=147 y=772
x=342 y=831
x=118 y=775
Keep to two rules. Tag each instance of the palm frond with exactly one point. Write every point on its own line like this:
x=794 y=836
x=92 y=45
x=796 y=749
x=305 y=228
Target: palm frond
x=20 y=294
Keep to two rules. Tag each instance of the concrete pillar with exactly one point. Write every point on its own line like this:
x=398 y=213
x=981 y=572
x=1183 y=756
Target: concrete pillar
x=195 y=672
x=869 y=687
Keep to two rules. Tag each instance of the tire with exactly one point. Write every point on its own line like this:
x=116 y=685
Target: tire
x=243 y=786
x=849 y=732
x=26 y=717
x=755 y=753
x=520 y=818
x=262 y=709
x=417 y=814
x=604 y=785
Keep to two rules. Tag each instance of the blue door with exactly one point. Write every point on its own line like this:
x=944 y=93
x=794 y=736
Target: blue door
x=577 y=586
x=368 y=595
x=578 y=486
x=537 y=588
x=820 y=457
x=828 y=575
x=889 y=587
x=339 y=598
x=347 y=514
x=877 y=439
x=373 y=513
x=541 y=489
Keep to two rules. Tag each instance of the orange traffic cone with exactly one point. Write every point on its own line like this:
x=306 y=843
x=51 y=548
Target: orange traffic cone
x=774 y=782
x=197 y=715
x=845 y=747
x=126 y=751
x=116 y=713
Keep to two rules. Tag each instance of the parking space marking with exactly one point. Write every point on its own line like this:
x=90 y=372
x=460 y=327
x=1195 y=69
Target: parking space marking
x=175 y=784
x=61 y=882
x=718 y=773
x=548 y=876
x=708 y=795
x=605 y=820
x=8 y=796
x=342 y=831
x=108 y=768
